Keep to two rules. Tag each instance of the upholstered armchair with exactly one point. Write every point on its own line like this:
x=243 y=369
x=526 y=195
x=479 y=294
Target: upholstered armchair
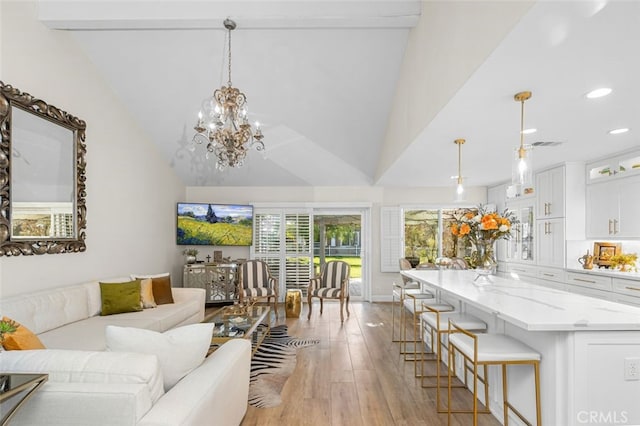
x=332 y=283
x=256 y=281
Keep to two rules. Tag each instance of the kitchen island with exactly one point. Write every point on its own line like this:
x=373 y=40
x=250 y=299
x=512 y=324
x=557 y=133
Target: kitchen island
x=588 y=346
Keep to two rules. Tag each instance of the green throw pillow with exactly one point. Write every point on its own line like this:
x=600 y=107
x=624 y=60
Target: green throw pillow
x=120 y=297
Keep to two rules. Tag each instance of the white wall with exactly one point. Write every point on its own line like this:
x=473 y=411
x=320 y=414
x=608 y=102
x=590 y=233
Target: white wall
x=377 y=196
x=131 y=190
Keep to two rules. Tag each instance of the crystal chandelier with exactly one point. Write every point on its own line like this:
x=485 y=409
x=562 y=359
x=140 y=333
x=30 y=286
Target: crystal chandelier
x=223 y=123
x=459 y=187
x=522 y=170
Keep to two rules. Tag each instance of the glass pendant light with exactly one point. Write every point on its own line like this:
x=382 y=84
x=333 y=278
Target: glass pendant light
x=522 y=170
x=459 y=187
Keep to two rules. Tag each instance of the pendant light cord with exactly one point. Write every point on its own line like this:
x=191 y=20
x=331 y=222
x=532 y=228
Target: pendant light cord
x=229 y=81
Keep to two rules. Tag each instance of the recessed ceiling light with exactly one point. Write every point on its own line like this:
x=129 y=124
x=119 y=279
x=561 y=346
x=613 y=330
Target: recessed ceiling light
x=598 y=93
x=618 y=131
x=529 y=131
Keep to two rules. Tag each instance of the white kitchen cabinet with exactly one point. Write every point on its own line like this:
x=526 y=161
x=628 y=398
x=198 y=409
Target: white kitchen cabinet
x=550 y=185
x=613 y=208
x=551 y=242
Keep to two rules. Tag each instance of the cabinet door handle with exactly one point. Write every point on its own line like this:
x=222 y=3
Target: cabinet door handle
x=549 y=209
x=615 y=226
x=632 y=288
x=610 y=226
x=548 y=275
x=584 y=281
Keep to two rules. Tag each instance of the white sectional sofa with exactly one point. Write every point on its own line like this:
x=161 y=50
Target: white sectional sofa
x=88 y=386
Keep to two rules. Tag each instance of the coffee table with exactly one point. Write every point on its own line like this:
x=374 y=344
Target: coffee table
x=21 y=386
x=232 y=322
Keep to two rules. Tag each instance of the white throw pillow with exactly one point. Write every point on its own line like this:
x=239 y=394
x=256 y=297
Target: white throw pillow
x=179 y=350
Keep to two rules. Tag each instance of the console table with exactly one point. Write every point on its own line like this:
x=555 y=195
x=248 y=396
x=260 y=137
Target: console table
x=218 y=279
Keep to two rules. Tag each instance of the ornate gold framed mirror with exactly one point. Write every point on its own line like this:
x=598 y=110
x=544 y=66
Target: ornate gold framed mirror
x=42 y=177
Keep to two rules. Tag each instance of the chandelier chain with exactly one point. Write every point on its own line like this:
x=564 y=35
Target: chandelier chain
x=229 y=59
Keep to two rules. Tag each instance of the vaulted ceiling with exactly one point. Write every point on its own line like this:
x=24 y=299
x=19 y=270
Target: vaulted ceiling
x=322 y=76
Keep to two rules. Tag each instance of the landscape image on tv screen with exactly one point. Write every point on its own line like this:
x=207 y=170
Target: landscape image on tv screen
x=214 y=224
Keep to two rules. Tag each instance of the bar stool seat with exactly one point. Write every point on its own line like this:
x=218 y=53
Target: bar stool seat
x=494 y=348
x=466 y=321
x=491 y=349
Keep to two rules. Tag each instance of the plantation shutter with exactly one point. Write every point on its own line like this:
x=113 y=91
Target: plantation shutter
x=283 y=239
x=390 y=239
x=298 y=260
x=266 y=242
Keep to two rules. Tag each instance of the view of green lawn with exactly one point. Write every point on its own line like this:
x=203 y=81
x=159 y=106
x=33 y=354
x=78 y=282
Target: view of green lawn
x=353 y=261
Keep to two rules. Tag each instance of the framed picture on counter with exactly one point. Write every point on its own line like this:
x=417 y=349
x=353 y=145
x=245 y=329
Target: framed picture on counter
x=604 y=251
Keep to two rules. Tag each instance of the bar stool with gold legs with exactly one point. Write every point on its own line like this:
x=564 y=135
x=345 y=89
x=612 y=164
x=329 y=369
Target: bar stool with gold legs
x=491 y=349
x=415 y=305
x=397 y=298
x=436 y=325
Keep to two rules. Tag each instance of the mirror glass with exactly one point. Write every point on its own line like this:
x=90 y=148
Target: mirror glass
x=42 y=177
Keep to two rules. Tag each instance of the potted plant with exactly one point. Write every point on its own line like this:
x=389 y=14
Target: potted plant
x=190 y=255
x=7 y=327
x=625 y=262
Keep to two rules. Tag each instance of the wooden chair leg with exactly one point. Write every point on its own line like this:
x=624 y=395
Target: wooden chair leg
x=275 y=306
x=348 y=314
x=310 y=305
x=321 y=305
x=341 y=308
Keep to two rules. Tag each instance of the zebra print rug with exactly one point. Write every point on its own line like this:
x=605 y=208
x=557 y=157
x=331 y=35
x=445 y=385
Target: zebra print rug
x=272 y=364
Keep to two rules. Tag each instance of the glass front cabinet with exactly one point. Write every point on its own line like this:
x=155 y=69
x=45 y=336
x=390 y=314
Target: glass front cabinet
x=521 y=248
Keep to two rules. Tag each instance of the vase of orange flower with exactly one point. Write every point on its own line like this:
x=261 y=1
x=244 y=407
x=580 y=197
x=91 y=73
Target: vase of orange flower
x=482 y=228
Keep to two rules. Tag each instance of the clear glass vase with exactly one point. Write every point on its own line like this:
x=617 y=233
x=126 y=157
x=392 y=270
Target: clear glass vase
x=485 y=257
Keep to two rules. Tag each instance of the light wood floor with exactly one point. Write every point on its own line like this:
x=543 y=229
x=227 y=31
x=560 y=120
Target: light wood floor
x=355 y=376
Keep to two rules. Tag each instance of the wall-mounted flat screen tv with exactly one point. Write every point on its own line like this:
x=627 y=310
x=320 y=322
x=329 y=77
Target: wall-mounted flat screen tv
x=215 y=224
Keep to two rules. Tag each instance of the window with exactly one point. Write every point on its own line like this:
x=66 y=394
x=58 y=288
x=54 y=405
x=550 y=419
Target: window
x=421 y=233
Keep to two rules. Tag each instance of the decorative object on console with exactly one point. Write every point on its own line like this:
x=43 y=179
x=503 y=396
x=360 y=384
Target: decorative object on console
x=217 y=255
x=459 y=187
x=483 y=229
x=604 y=251
x=625 y=262
x=190 y=255
x=223 y=123
x=522 y=170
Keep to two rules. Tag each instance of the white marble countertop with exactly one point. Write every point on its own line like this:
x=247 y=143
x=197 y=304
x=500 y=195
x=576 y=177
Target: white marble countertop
x=530 y=306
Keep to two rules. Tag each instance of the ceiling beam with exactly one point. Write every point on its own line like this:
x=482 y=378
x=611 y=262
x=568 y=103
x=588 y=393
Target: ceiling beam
x=250 y=14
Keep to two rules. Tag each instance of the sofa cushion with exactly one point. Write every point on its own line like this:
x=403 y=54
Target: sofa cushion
x=88 y=335
x=118 y=298
x=179 y=350
x=146 y=294
x=161 y=287
x=48 y=309
x=21 y=339
x=70 y=366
